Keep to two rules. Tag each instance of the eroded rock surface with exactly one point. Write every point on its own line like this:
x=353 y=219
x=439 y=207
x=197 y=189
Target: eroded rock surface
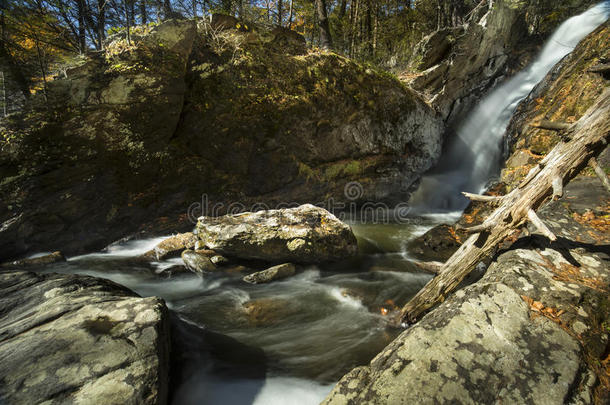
x=306 y=234
x=78 y=339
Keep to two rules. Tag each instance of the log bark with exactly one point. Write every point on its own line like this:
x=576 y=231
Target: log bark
x=588 y=137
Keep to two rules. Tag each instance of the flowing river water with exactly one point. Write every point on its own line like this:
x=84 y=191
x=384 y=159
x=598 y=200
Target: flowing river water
x=289 y=341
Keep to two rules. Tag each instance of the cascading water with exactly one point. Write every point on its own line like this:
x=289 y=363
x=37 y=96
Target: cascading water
x=472 y=158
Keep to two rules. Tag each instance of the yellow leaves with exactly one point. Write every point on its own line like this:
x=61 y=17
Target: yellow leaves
x=601 y=223
x=538 y=308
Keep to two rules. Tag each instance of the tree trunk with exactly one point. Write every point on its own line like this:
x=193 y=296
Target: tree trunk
x=82 y=42
x=342 y=9
x=279 y=12
x=587 y=138
x=290 y=16
x=101 y=23
x=325 y=37
x=127 y=20
x=369 y=29
x=143 y=13
x=353 y=27
x=167 y=8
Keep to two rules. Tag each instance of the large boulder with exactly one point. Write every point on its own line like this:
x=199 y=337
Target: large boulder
x=306 y=234
x=78 y=339
x=186 y=114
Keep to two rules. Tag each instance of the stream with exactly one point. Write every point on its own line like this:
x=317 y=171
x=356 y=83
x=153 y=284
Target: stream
x=288 y=342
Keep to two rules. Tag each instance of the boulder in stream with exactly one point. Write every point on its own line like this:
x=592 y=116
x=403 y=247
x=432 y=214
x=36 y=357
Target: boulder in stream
x=272 y=273
x=80 y=339
x=305 y=234
x=198 y=261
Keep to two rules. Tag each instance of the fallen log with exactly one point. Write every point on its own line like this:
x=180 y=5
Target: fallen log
x=587 y=139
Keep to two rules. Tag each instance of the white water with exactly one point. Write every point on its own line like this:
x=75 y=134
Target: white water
x=473 y=157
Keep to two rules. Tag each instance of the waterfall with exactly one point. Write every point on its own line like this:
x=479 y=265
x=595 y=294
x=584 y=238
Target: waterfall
x=472 y=158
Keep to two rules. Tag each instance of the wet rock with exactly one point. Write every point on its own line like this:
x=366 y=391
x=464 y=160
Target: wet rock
x=306 y=234
x=78 y=339
x=273 y=273
x=266 y=311
x=439 y=243
x=198 y=262
x=174 y=271
x=36 y=261
x=172 y=246
x=219 y=260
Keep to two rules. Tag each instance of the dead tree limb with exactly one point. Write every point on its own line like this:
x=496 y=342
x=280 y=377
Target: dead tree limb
x=430 y=267
x=588 y=138
x=483 y=198
x=599 y=171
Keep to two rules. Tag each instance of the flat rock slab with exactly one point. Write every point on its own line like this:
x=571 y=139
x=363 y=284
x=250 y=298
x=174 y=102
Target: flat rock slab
x=79 y=339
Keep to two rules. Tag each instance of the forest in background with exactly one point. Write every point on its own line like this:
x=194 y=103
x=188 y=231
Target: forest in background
x=41 y=38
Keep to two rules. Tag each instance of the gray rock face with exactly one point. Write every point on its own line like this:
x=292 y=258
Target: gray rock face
x=273 y=273
x=461 y=64
x=521 y=334
x=306 y=234
x=198 y=261
x=78 y=339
